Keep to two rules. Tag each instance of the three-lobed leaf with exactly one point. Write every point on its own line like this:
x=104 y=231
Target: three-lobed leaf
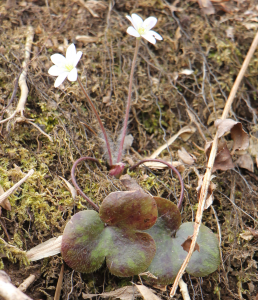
x=114 y=233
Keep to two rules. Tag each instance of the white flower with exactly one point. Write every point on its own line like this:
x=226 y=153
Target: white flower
x=143 y=28
x=65 y=66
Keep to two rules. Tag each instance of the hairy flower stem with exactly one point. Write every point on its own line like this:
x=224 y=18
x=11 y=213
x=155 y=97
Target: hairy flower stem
x=99 y=120
x=120 y=151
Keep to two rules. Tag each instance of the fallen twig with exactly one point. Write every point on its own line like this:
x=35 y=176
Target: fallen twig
x=26 y=283
x=207 y=176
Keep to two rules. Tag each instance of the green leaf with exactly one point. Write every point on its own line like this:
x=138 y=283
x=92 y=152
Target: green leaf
x=165 y=264
x=83 y=246
x=170 y=253
x=207 y=260
x=114 y=233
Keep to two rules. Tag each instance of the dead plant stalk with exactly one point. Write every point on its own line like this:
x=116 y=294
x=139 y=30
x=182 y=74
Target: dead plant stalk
x=207 y=176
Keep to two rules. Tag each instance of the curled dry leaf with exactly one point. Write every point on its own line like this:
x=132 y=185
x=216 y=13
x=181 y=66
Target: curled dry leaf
x=186 y=158
x=212 y=187
x=239 y=136
x=223 y=160
x=124 y=293
x=187 y=244
x=147 y=293
x=245 y=161
x=86 y=39
x=160 y=166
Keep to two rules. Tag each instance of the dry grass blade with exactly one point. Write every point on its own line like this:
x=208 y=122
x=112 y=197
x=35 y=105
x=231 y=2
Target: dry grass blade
x=46 y=249
x=207 y=176
x=5 y=195
x=26 y=283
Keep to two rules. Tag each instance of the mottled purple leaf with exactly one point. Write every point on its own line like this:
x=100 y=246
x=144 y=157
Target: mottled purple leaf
x=207 y=260
x=114 y=233
x=84 y=245
x=170 y=253
x=136 y=209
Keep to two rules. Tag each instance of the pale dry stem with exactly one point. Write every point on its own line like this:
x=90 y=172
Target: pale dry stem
x=207 y=176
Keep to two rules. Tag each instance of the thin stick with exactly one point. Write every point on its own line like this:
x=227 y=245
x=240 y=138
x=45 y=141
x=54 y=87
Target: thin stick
x=121 y=146
x=172 y=168
x=26 y=283
x=99 y=120
x=77 y=186
x=207 y=176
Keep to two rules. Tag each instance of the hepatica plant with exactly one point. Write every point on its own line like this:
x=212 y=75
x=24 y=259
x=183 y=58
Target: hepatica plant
x=133 y=231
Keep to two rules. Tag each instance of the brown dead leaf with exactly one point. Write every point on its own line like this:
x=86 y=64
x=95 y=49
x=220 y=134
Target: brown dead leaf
x=211 y=188
x=186 y=158
x=239 y=136
x=6 y=203
x=187 y=244
x=223 y=160
x=124 y=293
x=245 y=161
x=147 y=293
x=206 y=7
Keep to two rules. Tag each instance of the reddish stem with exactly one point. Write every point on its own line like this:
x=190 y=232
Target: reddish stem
x=120 y=151
x=99 y=120
x=75 y=183
x=173 y=169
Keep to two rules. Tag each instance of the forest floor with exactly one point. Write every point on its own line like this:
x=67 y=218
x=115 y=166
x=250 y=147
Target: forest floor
x=181 y=81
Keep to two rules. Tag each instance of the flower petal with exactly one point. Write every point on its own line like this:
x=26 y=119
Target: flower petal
x=71 y=52
x=132 y=21
x=156 y=35
x=149 y=37
x=149 y=22
x=77 y=58
x=58 y=59
x=55 y=71
x=72 y=76
x=130 y=30
x=60 y=79
x=137 y=21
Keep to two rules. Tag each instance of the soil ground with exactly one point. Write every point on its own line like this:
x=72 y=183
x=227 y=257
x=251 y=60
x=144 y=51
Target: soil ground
x=213 y=46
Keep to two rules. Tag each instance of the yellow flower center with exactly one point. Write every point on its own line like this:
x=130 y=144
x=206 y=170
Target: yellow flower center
x=69 y=67
x=142 y=31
